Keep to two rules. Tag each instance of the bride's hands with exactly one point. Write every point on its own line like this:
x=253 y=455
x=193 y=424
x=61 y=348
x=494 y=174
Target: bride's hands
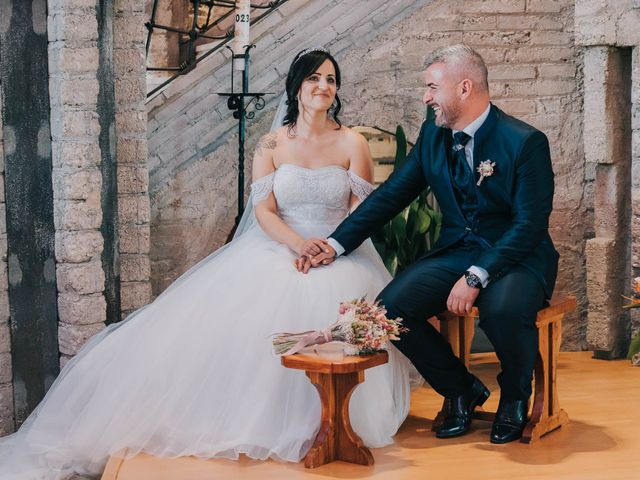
x=311 y=247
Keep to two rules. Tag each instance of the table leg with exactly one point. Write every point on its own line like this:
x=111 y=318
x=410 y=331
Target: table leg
x=336 y=440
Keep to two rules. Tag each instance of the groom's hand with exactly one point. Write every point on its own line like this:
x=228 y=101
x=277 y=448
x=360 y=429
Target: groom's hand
x=462 y=298
x=325 y=257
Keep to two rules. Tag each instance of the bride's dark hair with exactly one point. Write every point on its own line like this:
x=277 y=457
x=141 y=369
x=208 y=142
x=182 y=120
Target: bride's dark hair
x=303 y=66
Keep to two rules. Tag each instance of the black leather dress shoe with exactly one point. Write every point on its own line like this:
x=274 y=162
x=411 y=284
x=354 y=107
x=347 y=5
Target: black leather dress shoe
x=510 y=421
x=458 y=410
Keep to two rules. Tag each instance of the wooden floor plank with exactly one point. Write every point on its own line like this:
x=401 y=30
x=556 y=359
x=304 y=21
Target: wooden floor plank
x=602 y=439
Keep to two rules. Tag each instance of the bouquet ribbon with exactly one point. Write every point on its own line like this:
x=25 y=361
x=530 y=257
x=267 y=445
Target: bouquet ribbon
x=312 y=337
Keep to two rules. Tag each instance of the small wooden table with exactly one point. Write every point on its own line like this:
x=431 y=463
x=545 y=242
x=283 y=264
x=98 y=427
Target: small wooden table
x=335 y=378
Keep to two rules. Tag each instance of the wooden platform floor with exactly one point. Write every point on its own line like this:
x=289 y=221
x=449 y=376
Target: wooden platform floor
x=602 y=441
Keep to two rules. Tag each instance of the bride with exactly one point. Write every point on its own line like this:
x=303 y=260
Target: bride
x=193 y=372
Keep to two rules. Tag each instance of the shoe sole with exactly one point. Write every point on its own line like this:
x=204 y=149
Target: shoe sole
x=502 y=442
x=482 y=397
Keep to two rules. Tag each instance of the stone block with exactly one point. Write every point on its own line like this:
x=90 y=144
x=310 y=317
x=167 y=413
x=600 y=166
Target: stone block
x=77 y=215
x=134 y=267
x=493 y=6
x=72 y=154
x=516 y=106
x=129 y=29
x=512 y=72
x=128 y=7
x=131 y=121
x=540 y=54
x=79 y=124
x=496 y=38
x=80 y=278
x=133 y=209
x=529 y=22
x=135 y=295
x=77 y=309
x=69 y=61
x=627 y=31
x=551 y=38
x=78 y=246
x=130 y=89
x=567 y=70
x=72 y=337
x=132 y=151
x=71 y=5
x=76 y=185
x=605 y=286
x=74 y=28
x=7 y=425
x=132 y=179
x=5 y=337
x=548 y=6
x=6 y=372
x=73 y=92
x=134 y=238
x=129 y=61
x=4 y=283
x=4 y=306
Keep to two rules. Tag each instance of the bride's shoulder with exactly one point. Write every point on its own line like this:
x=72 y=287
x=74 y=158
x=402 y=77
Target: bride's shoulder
x=352 y=139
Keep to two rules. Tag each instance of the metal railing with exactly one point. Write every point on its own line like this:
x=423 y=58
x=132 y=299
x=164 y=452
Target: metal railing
x=207 y=26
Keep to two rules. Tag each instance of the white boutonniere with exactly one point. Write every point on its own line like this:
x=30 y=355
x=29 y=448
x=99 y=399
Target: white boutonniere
x=485 y=169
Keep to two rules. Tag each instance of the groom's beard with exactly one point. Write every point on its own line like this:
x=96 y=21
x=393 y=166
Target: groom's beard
x=449 y=115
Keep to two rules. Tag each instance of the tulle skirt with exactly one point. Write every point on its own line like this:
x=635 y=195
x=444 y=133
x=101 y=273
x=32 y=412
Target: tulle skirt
x=193 y=373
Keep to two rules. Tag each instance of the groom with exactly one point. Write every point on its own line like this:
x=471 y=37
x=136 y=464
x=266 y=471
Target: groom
x=491 y=175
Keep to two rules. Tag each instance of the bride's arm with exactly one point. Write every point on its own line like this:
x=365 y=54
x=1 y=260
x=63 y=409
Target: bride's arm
x=267 y=210
x=360 y=163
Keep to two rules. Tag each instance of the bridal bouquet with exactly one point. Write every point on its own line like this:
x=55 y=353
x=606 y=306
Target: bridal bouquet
x=363 y=325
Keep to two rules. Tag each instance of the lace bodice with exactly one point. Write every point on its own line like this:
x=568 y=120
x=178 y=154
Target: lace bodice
x=304 y=195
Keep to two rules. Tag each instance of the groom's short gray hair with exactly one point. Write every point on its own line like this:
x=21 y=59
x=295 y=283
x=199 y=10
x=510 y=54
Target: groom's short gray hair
x=469 y=61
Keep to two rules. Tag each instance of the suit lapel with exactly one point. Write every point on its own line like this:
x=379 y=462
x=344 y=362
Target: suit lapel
x=479 y=139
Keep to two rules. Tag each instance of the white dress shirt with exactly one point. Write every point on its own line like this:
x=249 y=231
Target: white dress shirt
x=470 y=130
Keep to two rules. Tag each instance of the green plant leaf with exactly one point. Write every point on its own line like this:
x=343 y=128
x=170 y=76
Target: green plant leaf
x=634 y=347
x=401 y=148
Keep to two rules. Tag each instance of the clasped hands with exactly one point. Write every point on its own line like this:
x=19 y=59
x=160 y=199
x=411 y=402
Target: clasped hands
x=313 y=252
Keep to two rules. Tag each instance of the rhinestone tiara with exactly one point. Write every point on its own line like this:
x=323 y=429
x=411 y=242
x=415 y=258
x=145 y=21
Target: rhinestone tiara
x=309 y=50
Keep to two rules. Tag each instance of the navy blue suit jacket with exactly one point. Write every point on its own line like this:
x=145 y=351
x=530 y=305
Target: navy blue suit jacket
x=514 y=203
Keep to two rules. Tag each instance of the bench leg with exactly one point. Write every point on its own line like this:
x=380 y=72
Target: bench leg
x=546 y=414
x=336 y=440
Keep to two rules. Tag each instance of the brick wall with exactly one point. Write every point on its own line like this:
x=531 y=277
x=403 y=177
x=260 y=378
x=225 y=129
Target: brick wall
x=192 y=136
x=535 y=73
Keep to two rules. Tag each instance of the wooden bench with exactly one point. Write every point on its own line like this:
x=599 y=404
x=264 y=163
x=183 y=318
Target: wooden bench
x=335 y=378
x=546 y=414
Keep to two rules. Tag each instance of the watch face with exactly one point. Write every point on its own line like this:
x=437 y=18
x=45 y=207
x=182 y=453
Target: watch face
x=472 y=280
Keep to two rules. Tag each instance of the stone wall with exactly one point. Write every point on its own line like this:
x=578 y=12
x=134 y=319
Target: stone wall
x=73 y=65
x=192 y=141
x=6 y=387
x=131 y=153
x=607 y=30
x=535 y=73
x=97 y=102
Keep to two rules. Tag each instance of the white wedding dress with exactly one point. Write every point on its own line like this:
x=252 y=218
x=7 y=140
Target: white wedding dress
x=193 y=373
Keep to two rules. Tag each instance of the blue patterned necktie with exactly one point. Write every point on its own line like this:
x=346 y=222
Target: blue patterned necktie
x=461 y=170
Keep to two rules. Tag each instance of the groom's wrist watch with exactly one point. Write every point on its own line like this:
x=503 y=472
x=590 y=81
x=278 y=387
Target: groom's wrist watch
x=472 y=279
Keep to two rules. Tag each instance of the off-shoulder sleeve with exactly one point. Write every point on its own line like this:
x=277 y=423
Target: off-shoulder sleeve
x=359 y=186
x=261 y=188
